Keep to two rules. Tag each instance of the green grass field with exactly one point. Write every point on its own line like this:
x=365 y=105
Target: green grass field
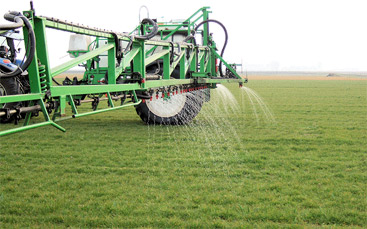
x=232 y=167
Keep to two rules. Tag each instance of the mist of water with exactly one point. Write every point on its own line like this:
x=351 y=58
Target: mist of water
x=256 y=100
x=214 y=135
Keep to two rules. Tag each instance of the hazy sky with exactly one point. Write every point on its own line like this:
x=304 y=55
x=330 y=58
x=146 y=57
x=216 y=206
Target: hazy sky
x=274 y=35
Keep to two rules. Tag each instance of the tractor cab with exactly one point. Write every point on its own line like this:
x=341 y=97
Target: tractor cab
x=8 y=52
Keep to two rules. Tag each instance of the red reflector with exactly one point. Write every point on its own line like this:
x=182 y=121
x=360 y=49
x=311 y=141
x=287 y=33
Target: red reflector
x=6 y=61
x=143 y=100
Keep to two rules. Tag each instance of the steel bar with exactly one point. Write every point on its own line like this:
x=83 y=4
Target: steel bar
x=23 y=128
x=21 y=97
x=104 y=99
x=23 y=110
x=226 y=64
x=77 y=28
x=74 y=62
x=106 y=109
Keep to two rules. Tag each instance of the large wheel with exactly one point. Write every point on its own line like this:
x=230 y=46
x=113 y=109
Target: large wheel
x=9 y=86
x=179 y=109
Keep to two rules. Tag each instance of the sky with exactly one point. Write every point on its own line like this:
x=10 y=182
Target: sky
x=264 y=35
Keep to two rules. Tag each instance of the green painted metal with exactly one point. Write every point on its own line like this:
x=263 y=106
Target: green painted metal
x=190 y=24
x=130 y=56
x=28 y=116
x=74 y=62
x=28 y=127
x=106 y=109
x=93 y=89
x=226 y=64
x=22 y=97
x=59 y=25
x=155 y=56
x=220 y=81
x=167 y=82
x=70 y=99
x=175 y=63
x=124 y=73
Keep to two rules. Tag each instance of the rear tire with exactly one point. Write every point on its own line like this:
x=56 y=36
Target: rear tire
x=180 y=109
x=9 y=86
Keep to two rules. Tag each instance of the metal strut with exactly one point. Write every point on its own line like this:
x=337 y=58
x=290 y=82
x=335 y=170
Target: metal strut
x=28 y=116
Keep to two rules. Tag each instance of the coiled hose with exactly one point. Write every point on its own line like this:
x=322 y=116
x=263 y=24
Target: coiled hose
x=20 y=20
x=154 y=31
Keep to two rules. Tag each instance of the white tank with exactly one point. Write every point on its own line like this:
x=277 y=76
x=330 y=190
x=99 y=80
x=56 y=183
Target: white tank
x=78 y=42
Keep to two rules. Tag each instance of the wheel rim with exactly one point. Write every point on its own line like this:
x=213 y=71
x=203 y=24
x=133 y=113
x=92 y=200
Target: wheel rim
x=167 y=107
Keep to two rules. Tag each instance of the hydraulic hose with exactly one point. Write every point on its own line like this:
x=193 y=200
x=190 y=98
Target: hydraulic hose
x=189 y=38
x=152 y=33
x=18 y=22
x=192 y=38
x=13 y=17
x=225 y=40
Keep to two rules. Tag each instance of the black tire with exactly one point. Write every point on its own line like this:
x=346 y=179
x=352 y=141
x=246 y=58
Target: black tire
x=9 y=86
x=180 y=109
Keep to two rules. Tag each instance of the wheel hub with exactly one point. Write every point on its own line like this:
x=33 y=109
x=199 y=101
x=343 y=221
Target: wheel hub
x=168 y=106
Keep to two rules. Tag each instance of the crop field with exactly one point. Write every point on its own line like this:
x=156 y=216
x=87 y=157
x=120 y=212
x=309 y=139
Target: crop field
x=298 y=161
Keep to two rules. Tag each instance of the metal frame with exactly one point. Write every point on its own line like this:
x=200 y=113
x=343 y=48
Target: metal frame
x=43 y=89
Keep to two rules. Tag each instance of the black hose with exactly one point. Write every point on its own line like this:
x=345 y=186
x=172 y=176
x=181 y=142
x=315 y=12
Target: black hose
x=56 y=82
x=12 y=16
x=225 y=41
x=152 y=33
x=18 y=22
x=118 y=47
x=128 y=47
x=192 y=38
x=172 y=51
x=179 y=51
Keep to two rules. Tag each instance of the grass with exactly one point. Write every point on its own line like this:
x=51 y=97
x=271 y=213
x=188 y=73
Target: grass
x=229 y=168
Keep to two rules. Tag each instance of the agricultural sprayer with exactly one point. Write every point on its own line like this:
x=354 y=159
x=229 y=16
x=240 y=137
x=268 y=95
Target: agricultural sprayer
x=165 y=70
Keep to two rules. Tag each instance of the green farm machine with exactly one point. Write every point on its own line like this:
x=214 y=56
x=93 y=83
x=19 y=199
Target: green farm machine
x=165 y=70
